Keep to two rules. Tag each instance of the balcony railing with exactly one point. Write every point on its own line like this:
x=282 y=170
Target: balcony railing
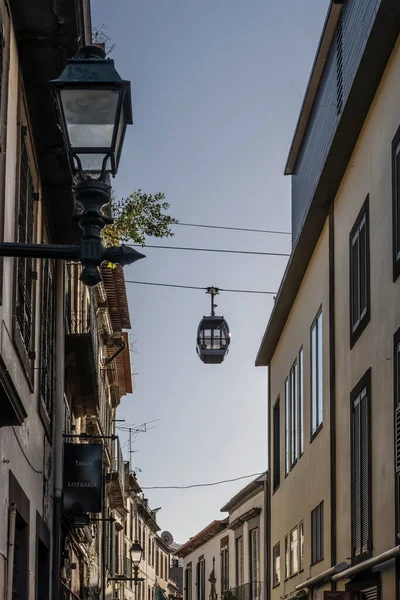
x=116 y=479
x=81 y=342
x=247 y=591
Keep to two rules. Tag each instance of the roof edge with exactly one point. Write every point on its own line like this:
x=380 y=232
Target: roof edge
x=314 y=81
x=252 y=489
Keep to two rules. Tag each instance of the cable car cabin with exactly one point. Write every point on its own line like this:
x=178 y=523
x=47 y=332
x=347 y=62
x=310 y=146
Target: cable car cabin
x=213 y=338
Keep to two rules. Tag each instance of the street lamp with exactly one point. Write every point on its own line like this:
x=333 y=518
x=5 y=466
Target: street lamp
x=136 y=557
x=93 y=109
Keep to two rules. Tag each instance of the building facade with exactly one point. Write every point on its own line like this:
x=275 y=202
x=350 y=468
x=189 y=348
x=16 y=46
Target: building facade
x=226 y=559
x=33 y=177
x=331 y=345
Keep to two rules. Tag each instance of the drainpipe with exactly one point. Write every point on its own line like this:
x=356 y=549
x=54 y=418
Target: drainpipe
x=58 y=428
x=12 y=516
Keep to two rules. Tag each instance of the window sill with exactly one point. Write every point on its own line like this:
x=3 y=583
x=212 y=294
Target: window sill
x=276 y=489
x=317 y=561
x=276 y=585
x=356 y=333
x=316 y=432
x=355 y=560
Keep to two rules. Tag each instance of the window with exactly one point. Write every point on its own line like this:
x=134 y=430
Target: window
x=25 y=266
x=276 y=565
x=294 y=551
x=201 y=579
x=47 y=339
x=277 y=444
x=301 y=401
x=294 y=425
x=316 y=375
x=287 y=426
x=166 y=568
x=254 y=562
x=317 y=534
x=239 y=562
x=161 y=565
x=301 y=553
x=359 y=274
x=157 y=562
x=150 y=549
x=361 y=468
x=294 y=418
x=224 y=568
x=188 y=582
x=396 y=203
x=287 y=561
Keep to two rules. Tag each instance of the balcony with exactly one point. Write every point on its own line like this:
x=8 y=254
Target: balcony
x=248 y=591
x=115 y=480
x=81 y=343
x=100 y=423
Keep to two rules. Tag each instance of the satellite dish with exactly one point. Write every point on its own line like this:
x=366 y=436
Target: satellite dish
x=167 y=537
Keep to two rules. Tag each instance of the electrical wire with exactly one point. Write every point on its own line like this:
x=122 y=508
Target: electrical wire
x=233 y=228
x=211 y=250
x=24 y=453
x=197 y=485
x=194 y=287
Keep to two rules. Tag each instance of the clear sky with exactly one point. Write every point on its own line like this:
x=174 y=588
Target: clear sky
x=217 y=87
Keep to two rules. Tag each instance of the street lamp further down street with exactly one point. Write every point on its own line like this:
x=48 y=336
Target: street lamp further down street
x=93 y=109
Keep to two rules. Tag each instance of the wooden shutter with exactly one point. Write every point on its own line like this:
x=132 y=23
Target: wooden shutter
x=370 y=594
x=397 y=414
x=397 y=199
x=277 y=444
x=364 y=452
x=25 y=273
x=356 y=480
x=361 y=468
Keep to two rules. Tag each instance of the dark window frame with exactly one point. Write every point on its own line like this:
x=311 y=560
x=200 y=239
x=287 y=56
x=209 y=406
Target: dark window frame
x=25 y=295
x=396 y=204
x=224 y=556
x=201 y=578
x=317 y=534
x=276 y=424
x=294 y=414
x=358 y=326
x=275 y=580
x=319 y=401
x=364 y=383
x=188 y=582
x=47 y=344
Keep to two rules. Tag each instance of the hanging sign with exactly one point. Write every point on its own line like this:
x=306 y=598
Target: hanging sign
x=83 y=478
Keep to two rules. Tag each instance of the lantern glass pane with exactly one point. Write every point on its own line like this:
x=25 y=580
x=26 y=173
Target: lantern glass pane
x=92 y=163
x=90 y=116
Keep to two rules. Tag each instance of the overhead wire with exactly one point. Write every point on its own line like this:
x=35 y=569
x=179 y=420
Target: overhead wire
x=251 y=252
x=233 y=228
x=194 y=287
x=197 y=485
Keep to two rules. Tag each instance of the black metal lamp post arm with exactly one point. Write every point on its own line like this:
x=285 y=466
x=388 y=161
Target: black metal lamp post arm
x=91 y=196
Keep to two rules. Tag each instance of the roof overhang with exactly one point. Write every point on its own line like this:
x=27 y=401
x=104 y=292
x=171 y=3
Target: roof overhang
x=377 y=51
x=245 y=494
x=202 y=537
x=250 y=514
x=317 y=71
